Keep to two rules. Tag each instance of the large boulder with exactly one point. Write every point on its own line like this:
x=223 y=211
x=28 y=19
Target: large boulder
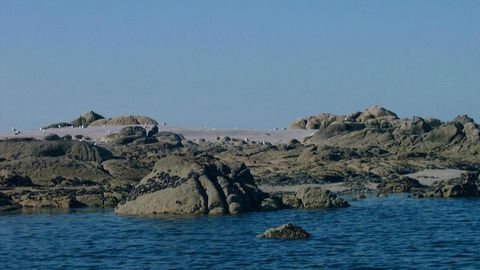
x=126 y=135
x=86 y=119
x=417 y=125
x=338 y=128
x=125 y=121
x=194 y=185
x=20 y=149
x=41 y=160
x=316 y=197
x=286 y=231
x=376 y=112
x=445 y=134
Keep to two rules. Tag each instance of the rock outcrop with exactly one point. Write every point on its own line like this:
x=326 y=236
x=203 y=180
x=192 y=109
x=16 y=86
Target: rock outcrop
x=86 y=119
x=12 y=179
x=314 y=197
x=287 y=231
x=125 y=121
x=400 y=185
x=466 y=186
x=6 y=203
x=126 y=135
x=194 y=185
x=41 y=160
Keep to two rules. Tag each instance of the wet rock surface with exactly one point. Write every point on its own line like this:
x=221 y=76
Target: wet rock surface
x=287 y=231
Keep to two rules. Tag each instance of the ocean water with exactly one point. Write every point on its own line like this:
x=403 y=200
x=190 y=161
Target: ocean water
x=396 y=232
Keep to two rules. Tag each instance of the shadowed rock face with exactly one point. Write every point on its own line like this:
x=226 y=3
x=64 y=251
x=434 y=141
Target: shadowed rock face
x=6 y=203
x=12 y=179
x=466 y=186
x=194 y=185
x=402 y=184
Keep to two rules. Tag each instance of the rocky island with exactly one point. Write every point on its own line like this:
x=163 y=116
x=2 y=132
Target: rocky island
x=139 y=167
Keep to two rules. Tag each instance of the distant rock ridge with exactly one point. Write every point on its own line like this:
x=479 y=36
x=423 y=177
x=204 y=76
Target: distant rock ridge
x=92 y=118
x=125 y=121
x=381 y=128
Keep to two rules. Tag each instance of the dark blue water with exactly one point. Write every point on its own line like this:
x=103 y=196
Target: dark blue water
x=394 y=232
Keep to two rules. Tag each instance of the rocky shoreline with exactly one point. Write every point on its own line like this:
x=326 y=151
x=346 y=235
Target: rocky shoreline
x=137 y=167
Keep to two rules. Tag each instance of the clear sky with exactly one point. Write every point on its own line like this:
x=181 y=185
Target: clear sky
x=251 y=64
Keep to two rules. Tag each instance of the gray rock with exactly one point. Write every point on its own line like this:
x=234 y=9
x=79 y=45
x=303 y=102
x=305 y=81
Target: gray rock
x=86 y=119
x=287 y=231
x=125 y=121
x=194 y=185
x=316 y=197
x=52 y=137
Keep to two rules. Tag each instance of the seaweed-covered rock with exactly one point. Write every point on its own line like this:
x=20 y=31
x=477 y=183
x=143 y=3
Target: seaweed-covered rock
x=401 y=184
x=194 y=185
x=287 y=231
x=466 y=186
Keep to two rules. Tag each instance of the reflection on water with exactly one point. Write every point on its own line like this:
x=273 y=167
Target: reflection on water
x=394 y=232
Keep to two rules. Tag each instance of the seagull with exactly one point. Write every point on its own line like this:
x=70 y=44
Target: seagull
x=164 y=123
x=246 y=139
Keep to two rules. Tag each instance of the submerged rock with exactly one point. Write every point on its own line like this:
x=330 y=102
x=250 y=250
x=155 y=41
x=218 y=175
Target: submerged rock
x=287 y=231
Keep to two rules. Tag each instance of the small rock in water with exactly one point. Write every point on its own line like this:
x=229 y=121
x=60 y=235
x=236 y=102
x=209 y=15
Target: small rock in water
x=286 y=231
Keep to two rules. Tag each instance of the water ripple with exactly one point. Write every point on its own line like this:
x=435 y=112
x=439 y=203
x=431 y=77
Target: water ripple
x=394 y=232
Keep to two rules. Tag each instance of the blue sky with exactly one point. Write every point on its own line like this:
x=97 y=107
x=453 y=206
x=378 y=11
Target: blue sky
x=251 y=64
